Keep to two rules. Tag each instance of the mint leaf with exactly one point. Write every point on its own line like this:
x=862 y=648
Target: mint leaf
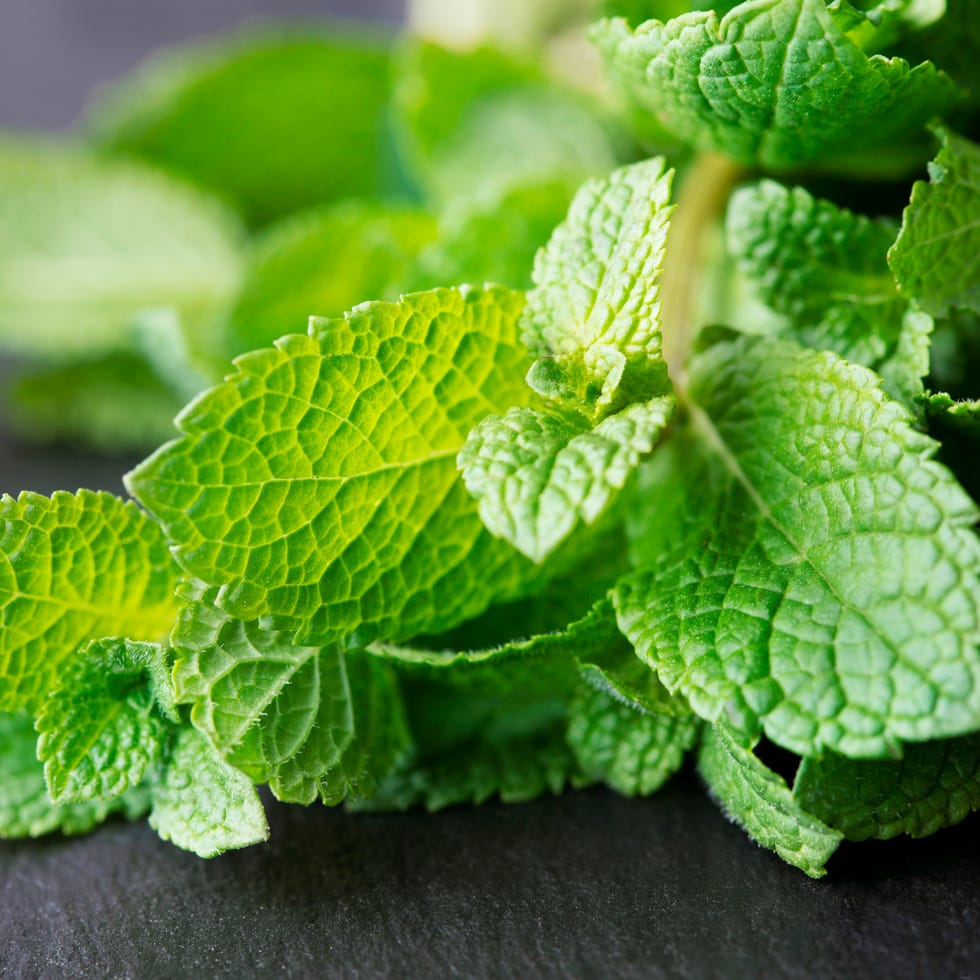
x=25 y=808
x=825 y=269
x=936 y=257
x=202 y=804
x=593 y=322
x=317 y=486
x=934 y=785
x=593 y=319
x=632 y=751
x=309 y=721
x=88 y=243
x=484 y=120
x=811 y=572
x=537 y=476
x=324 y=262
x=112 y=404
x=107 y=722
x=273 y=121
x=963 y=414
x=775 y=83
x=74 y=567
x=759 y=801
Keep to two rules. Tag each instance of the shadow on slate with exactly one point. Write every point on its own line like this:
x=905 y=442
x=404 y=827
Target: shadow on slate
x=585 y=885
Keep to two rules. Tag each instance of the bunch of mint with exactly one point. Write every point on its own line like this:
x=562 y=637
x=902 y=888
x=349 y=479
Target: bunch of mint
x=687 y=468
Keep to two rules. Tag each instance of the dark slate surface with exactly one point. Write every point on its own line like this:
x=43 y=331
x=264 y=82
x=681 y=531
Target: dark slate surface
x=586 y=885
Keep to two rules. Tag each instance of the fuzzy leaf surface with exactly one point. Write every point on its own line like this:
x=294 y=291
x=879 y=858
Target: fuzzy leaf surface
x=760 y=802
x=26 y=809
x=75 y=567
x=774 y=83
x=934 y=785
x=317 y=486
x=825 y=269
x=936 y=257
x=811 y=571
x=204 y=805
x=309 y=721
x=107 y=722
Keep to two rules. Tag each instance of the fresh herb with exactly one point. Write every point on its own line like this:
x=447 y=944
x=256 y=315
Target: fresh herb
x=628 y=425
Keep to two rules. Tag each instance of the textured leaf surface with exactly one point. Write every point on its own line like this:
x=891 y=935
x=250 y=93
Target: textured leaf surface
x=272 y=122
x=632 y=751
x=318 y=488
x=760 y=802
x=204 y=805
x=775 y=82
x=593 y=318
x=934 y=785
x=86 y=244
x=107 y=722
x=309 y=721
x=812 y=571
x=825 y=269
x=936 y=257
x=25 y=808
x=322 y=263
x=74 y=568
x=537 y=476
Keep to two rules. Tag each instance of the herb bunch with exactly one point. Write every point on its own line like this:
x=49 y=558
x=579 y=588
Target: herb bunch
x=649 y=431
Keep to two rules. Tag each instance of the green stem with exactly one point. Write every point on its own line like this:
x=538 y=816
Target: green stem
x=703 y=195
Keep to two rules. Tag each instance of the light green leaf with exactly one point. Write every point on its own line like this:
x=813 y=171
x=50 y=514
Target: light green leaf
x=934 y=785
x=632 y=751
x=537 y=475
x=87 y=244
x=317 y=486
x=775 y=83
x=936 y=257
x=811 y=570
x=272 y=121
x=481 y=121
x=825 y=269
x=107 y=721
x=204 y=805
x=593 y=318
x=309 y=721
x=25 y=808
x=75 y=567
x=324 y=262
x=760 y=802
x=963 y=414
x=113 y=404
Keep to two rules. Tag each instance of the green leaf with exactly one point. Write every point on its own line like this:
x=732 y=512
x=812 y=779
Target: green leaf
x=204 y=805
x=75 y=567
x=774 y=83
x=481 y=120
x=309 y=721
x=106 y=723
x=632 y=751
x=934 y=785
x=593 y=322
x=760 y=802
x=324 y=262
x=25 y=808
x=825 y=269
x=936 y=257
x=272 y=121
x=318 y=488
x=537 y=476
x=963 y=414
x=811 y=571
x=112 y=404
x=593 y=319
x=87 y=244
